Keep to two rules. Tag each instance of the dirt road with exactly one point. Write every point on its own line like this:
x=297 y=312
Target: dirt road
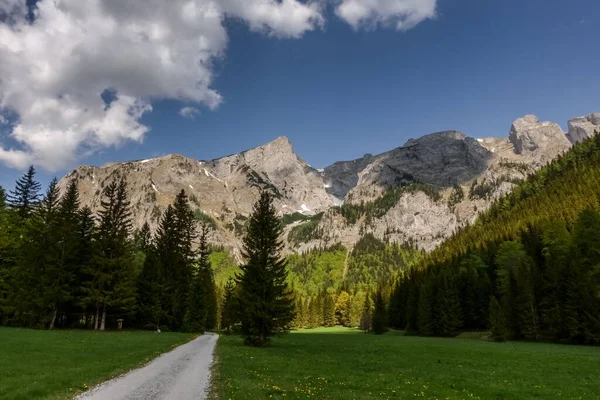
x=181 y=374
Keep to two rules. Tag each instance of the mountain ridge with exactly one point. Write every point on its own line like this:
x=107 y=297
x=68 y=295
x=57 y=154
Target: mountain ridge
x=225 y=188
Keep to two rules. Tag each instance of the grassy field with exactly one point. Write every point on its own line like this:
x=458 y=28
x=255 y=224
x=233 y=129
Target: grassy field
x=347 y=364
x=57 y=364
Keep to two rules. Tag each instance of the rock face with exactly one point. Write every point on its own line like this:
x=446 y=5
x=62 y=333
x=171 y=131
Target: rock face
x=225 y=189
x=342 y=176
x=538 y=141
x=440 y=159
x=581 y=128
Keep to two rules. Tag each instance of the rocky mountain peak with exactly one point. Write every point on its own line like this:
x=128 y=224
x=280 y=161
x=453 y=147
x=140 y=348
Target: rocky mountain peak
x=581 y=128
x=539 y=141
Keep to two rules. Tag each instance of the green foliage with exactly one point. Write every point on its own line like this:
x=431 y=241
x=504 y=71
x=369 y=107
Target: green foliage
x=379 y=207
x=380 y=314
x=456 y=196
x=265 y=302
x=304 y=232
x=204 y=218
x=202 y=306
x=229 y=309
x=535 y=253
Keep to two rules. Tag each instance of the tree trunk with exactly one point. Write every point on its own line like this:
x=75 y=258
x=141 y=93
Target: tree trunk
x=103 y=323
x=97 y=317
x=53 y=318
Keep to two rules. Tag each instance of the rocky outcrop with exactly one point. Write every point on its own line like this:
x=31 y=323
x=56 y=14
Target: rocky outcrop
x=537 y=141
x=581 y=128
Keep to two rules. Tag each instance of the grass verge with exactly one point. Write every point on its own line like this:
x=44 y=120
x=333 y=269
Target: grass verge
x=36 y=364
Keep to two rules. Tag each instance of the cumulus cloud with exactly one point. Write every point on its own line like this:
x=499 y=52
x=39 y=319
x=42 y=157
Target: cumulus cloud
x=55 y=68
x=401 y=14
x=189 y=112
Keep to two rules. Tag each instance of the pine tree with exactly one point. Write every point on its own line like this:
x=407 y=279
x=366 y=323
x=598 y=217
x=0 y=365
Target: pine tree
x=379 y=314
x=266 y=301
x=168 y=260
x=448 y=308
x=26 y=194
x=51 y=244
x=228 y=315
x=113 y=274
x=329 y=310
x=185 y=226
x=366 y=319
x=68 y=268
x=497 y=320
x=148 y=290
x=425 y=322
x=582 y=306
x=86 y=231
x=201 y=312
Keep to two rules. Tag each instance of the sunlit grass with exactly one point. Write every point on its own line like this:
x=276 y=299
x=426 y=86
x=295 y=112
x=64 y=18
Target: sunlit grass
x=340 y=363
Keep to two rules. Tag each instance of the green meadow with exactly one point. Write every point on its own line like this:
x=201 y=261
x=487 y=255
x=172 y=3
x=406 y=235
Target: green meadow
x=341 y=363
x=40 y=364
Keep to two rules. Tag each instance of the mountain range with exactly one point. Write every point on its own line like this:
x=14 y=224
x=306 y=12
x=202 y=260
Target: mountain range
x=420 y=192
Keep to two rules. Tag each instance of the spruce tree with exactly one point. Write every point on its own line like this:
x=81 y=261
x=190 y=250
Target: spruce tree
x=202 y=309
x=86 y=231
x=228 y=314
x=182 y=272
x=582 y=306
x=497 y=320
x=113 y=274
x=26 y=194
x=266 y=303
x=167 y=263
x=148 y=290
x=448 y=308
x=51 y=246
x=329 y=310
x=380 y=314
x=425 y=321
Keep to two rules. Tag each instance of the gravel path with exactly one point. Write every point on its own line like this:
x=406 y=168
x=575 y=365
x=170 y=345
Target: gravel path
x=181 y=374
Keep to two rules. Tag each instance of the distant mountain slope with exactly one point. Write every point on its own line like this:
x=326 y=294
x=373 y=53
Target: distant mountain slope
x=467 y=174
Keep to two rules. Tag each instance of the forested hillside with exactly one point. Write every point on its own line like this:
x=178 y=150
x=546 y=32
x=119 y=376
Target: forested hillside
x=528 y=268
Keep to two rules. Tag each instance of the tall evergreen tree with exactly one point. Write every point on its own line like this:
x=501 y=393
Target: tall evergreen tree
x=86 y=232
x=182 y=272
x=228 y=314
x=380 y=314
x=202 y=309
x=26 y=194
x=582 y=306
x=113 y=276
x=266 y=301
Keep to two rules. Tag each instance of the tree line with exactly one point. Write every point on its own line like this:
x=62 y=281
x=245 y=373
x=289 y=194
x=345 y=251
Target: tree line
x=528 y=268
x=63 y=265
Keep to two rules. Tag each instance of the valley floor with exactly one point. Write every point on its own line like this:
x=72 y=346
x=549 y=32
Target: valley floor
x=338 y=363
x=37 y=364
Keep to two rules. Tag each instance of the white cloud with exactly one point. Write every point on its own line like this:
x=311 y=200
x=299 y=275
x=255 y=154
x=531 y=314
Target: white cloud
x=401 y=14
x=3 y=120
x=189 y=112
x=55 y=69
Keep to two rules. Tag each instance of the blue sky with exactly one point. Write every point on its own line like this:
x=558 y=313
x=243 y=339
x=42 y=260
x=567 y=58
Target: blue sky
x=338 y=92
